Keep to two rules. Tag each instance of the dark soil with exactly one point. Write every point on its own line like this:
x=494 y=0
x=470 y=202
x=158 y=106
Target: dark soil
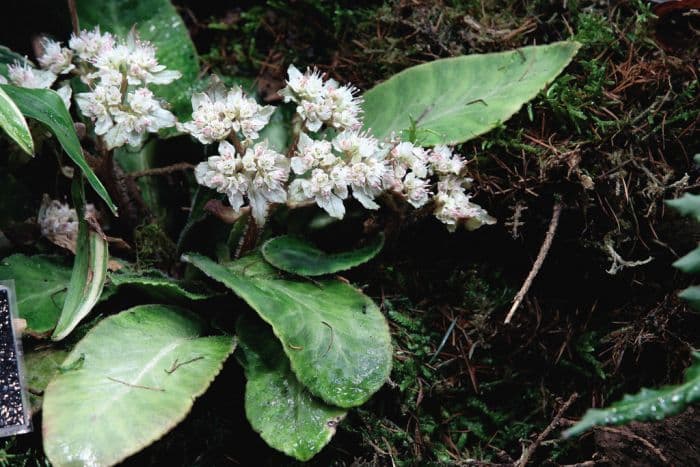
x=611 y=139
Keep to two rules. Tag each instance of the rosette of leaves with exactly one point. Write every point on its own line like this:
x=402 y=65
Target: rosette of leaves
x=312 y=346
x=657 y=404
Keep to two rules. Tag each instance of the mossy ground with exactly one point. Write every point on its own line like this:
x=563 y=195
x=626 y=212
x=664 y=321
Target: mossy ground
x=610 y=139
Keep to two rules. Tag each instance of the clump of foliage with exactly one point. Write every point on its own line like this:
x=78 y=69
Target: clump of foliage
x=311 y=348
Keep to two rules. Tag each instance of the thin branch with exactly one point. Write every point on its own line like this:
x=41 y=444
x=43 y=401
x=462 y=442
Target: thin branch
x=544 y=249
x=134 y=385
x=177 y=364
x=527 y=453
x=233 y=137
x=635 y=437
x=168 y=169
x=74 y=17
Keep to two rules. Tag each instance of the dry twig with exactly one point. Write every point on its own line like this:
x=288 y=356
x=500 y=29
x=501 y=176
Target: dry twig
x=544 y=249
x=162 y=170
x=527 y=453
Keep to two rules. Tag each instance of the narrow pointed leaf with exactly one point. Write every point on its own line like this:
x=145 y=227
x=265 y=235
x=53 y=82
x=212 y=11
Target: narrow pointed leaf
x=335 y=337
x=690 y=263
x=647 y=405
x=14 y=124
x=692 y=296
x=89 y=271
x=277 y=405
x=687 y=205
x=47 y=107
x=129 y=381
x=297 y=256
x=455 y=99
x=41 y=283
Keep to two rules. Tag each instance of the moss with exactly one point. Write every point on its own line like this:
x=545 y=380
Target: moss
x=154 y=249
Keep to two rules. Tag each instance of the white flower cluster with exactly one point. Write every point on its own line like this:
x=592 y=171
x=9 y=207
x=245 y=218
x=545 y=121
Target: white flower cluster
x=123 y=109
x=59 y=222
x=322 y=102
x=328 y=167
x=55 y=61
x=218 y=112
x=260 y=175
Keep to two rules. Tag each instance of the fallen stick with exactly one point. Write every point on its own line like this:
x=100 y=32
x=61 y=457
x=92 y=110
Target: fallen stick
x=527 y=453
x=544 y=249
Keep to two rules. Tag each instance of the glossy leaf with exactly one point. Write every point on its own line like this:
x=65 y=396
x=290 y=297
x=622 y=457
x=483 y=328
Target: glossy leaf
x=647 y=405
x=14 y=124
x=455 y=99
x=130 y=380
x=157 y=21
x=692 y=296
x=690 y=263
x=277 y=405
x=89 y=271
x=160 y=286
x=47 y=107
x=297 y=256
x=687 y=205
x=41 y=283
x=335 y=337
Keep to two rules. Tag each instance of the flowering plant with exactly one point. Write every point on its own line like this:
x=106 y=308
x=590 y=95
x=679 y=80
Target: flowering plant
x=315 y=348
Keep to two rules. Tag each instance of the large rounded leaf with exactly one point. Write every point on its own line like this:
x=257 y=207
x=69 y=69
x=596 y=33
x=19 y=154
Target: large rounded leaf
x=41 y=283
x=277 y=405
x=41 y=366
x=336 y=338
x=297 y=256
x=130 y=380
x=452 y=100
x=14 y=124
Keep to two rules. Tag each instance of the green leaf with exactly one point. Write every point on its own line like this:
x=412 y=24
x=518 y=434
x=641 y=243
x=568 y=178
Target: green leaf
x=690 y=263
x=159 y=285
x=647 y=405
x=41 y=283
x=335 y=337
x=89 y=271
x=277 y=405
x=41 y=366
x=692 y=296
x=157 y=21
x=140 y=373
x=455 y=99
x=687 y=205
x=14 y=124
x=297 y=256
x=47 y=107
